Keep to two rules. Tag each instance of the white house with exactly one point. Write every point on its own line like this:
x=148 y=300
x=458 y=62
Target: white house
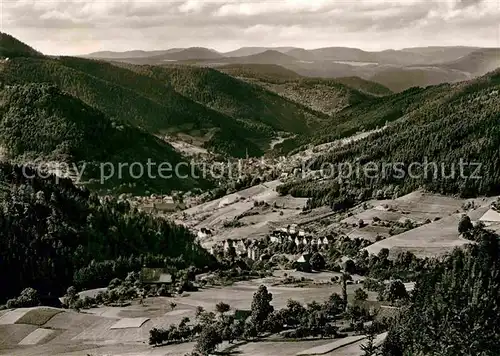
x=202 y=235
x=227 y=245
x=275 y=239
x=253 y=253
x=241 y=249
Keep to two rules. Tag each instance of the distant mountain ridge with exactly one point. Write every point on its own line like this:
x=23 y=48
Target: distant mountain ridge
x=130 y=54
x=396 y=69
x=406 y=56
x=248 y=51
x=478 y=62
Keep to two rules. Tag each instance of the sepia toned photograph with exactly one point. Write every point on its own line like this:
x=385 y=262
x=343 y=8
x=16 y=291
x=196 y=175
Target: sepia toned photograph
x=249 y=177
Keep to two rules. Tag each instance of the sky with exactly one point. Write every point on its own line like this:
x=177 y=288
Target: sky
x=82 y=26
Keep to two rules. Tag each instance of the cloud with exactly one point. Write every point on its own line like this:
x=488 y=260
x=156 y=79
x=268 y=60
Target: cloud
x=74 y=26
x=466 y=3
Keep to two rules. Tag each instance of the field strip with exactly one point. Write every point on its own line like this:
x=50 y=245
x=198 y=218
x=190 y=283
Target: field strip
x=126 y=323
x=36 y=337
x=332 y=346
x=33 y=316
x=177 y=312
x=12 y=316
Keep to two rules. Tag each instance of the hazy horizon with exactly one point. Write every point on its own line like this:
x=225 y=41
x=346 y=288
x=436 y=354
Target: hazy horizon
x=271 y=48
x=77 y=27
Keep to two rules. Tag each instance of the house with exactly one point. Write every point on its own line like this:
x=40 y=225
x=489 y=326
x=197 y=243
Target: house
x=155 y=276
x=304 y=258
x=253 y=252
x=241 y=249
x=169 y=205
x=275 y=239
x=201 y=235
x=228 y=244
x=302 y=263
x=204 y=233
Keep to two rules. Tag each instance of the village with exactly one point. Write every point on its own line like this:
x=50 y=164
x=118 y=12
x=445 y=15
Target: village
x=255 y=249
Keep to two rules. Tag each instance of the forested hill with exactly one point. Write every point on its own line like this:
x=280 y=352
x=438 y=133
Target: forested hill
x=327 y=96
x=53 y=235
x=245 y=102
x=138 y=100
x=38 y=121
x=457 y=122
x=11 y=47
x=215 y=110
x=454 y=307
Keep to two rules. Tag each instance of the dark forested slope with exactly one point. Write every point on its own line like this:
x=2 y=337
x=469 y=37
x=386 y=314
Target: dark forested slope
x=457 y=123
x=39 y=121
x=454 y=307
x=11 y=47
x=129 y=97
x=49 y=230
x=238 y=99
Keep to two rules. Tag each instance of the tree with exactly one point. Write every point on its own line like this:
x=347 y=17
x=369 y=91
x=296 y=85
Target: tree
x=345 y=277
x=369 y=348
x=317 y=261
x=316 y=322
x=465 y=225
x=237 y=329
x=395 y=290
x=206 y=318
x=199 y=311
x=349 y=266
x=250 y=331
x=261 y=307
x=334 y=305
x=208 y=340
x=157 y=336
x=29 y=298
x=293 y=312
x=383 y=254
x=222 y=308
x=71 y=297
x=355 y=314
x=360 y=295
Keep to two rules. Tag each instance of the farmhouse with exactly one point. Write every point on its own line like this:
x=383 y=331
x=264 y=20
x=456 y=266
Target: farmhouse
x=204 y=233
x=155 y=276
x=253 y=252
